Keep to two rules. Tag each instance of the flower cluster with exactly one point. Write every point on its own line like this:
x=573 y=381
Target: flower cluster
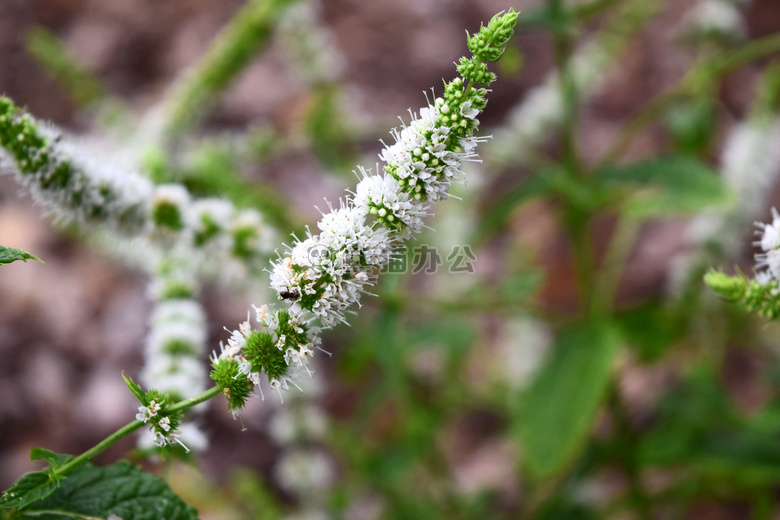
x=79 y=189
x=280 y=347
x=769 y=243
x=305 y=472
x=164 y=425
x=175 y=342
x=163 y=430
x=425 y=159
x=324 y=276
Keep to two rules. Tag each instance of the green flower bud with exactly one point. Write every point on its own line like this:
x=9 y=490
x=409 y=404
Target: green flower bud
x=234 y=385
x=730 y=287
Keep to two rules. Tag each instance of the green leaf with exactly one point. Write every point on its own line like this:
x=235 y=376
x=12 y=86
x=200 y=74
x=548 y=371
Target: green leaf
x=674 y=184
x=556 y=412
x=650 y=328
x=135 y=389
x=120 y=489
x=28 y=489
x=54 y=459
x=692 y=123
x=9 y=254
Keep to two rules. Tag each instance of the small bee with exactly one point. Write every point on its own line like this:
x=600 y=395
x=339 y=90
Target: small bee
x=288 y=295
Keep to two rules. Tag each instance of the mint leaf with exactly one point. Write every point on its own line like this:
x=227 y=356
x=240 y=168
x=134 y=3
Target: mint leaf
x=120 y=489
x=54 y=459
x=676 y=184
x=28 y=489
x=9 y=254
x=557 y=411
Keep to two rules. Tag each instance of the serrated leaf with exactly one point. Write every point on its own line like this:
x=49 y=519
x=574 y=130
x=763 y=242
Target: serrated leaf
x=676 y=184
x=557 y=410
x=28 y=489
x=120 y=489
x=9 y=254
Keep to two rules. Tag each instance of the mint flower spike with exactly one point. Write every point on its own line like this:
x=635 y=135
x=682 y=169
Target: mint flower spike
x=75 y=188
x=175 y=343
x=321 y=278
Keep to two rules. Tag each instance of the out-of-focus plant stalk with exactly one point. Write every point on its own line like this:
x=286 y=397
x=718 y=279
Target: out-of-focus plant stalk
x=247 y=32
x=696 y=79
x=79 y=82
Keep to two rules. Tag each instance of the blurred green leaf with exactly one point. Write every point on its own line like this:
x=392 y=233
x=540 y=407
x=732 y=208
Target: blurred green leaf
x=673 y=185
x=650 y=328
x=254 y=494
x=556 y=412
x=700 y=428
x=692 y=123
x=553 y=16
x=9 y=254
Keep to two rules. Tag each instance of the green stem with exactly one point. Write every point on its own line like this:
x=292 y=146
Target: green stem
x=615 y=259
x=578 y=227
x=246 y=33
x=588 y=11
x=78 y=81
x=471 y=81
x=626 y=444
x=98 y=448
x=127 y=429
x=577 y=218
x=192 y=401
x=689 y=84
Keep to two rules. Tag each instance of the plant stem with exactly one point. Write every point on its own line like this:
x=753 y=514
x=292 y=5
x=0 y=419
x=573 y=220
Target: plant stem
x=127 y=429
x=247 y=32
x=98 y=448
x=615 y=258
x=626 y=444
x=689 y=84
x=576 y=218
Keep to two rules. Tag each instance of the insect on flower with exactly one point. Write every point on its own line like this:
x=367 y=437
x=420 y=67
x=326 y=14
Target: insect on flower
x=289 y=295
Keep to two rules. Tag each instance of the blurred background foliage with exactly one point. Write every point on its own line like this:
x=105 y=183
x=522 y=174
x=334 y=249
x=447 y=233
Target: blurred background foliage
x=580 y=371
